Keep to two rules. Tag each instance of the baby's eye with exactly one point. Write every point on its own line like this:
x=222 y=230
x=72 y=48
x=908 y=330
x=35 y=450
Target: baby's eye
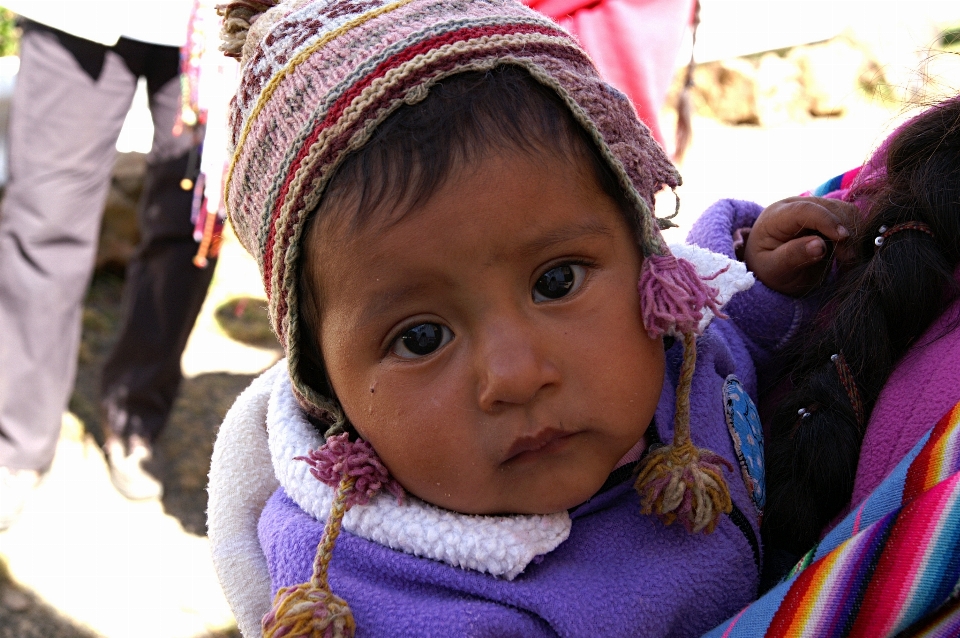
x=421 y=340
x=558 y=282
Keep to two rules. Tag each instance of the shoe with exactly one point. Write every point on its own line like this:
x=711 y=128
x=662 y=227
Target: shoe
x=126 y=459
x=15 y=488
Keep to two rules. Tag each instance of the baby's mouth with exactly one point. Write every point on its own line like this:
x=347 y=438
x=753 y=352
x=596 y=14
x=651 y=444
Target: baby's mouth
x=528 y=448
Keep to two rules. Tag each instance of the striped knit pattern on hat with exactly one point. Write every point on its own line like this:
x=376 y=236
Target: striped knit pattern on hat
x=318 y=77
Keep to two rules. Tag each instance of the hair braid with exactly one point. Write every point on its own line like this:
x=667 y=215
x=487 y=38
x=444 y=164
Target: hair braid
x=885 y=298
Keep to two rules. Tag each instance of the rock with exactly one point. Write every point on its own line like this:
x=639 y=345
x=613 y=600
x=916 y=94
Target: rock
x=780 y=94
x=726 y=90
x=119 y=232
x=764 y=91
x=830 y=72
x=13 y=599
x=770 y=89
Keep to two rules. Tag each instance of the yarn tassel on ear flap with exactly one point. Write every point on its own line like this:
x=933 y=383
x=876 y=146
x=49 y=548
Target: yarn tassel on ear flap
x=680 y=480
x=673 y=296
x=311 y=609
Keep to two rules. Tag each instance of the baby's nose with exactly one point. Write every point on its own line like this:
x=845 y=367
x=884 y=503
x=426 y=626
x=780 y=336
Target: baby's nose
x=514 y=365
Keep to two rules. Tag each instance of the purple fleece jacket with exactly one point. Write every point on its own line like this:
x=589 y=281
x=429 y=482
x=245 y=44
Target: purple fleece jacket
x=619 y=573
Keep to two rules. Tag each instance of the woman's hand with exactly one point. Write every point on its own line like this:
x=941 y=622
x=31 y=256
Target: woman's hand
x=790 y=245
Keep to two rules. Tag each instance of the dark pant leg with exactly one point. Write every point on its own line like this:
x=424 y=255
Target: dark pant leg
x=164 y=291
x=64 y=126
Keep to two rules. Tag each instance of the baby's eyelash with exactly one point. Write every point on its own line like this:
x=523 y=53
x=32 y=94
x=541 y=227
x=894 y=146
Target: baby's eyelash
x=567 y=261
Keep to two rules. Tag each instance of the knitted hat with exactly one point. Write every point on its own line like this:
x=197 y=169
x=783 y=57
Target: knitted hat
x=319 y=76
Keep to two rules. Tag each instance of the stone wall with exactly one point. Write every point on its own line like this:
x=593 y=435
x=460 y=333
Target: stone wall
x=806 y=81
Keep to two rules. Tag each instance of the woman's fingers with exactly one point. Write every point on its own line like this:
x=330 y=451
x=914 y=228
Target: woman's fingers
x=796 y=266
x=792 y=240
x=796 y=216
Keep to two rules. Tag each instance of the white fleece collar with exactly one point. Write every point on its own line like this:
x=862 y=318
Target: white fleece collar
x=499 y=545
x=241 y=481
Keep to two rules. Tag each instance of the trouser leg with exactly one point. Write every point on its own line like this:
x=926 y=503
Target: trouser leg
x=163 y=292
x=63 y=131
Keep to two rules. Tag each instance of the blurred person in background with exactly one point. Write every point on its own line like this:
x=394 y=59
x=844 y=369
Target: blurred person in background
x=78 y=74
x=634 y=43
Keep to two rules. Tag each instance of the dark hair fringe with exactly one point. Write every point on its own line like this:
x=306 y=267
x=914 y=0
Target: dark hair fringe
x=884 y=299
x=418 y=147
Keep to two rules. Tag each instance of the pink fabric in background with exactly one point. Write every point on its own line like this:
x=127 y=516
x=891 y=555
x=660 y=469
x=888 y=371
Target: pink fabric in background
x=634 y=43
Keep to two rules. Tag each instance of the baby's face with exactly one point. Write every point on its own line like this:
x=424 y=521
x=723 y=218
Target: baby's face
x=489 y=345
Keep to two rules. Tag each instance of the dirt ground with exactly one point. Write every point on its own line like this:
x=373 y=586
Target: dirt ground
x=83 y=562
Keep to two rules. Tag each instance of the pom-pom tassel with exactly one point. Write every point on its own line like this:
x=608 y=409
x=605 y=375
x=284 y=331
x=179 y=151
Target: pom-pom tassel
x=680 y=481
x=238 y=16
x=673 y=296
x=311 y=609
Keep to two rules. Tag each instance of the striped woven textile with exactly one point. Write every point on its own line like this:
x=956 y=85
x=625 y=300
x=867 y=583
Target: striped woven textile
x=892 y=565
x=836 y=187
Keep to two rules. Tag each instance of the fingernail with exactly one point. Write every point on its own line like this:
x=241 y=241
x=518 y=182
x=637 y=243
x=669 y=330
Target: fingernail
x=843 y=232
x=815 y=248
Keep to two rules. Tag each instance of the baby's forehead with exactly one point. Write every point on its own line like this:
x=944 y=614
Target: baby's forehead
x=347 y=219
x=503 y=206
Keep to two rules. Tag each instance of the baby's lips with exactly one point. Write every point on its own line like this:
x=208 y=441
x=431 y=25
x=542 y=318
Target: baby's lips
x=537 y=442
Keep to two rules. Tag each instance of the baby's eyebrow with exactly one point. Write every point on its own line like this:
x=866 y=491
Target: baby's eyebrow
x=370 y=312
x=564 y=234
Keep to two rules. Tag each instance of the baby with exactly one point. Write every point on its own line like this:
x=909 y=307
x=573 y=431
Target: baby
x=452 y=212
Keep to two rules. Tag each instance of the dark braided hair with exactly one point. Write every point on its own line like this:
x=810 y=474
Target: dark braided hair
x=884 y=298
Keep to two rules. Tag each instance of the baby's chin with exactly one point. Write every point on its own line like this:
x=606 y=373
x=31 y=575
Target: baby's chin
x=513 y=503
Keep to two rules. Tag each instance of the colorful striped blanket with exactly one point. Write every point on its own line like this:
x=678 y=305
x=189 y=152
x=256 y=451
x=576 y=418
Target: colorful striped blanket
x=891 y=567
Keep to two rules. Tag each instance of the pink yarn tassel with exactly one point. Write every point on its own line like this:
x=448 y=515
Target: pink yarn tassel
x=341 y=458
x=673 y=296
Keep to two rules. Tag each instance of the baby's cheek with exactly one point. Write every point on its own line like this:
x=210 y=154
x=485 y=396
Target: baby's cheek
x=638 y=372
x=400 y=433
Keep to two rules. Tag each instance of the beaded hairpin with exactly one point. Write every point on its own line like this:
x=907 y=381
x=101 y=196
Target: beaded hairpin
x=885 y=232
